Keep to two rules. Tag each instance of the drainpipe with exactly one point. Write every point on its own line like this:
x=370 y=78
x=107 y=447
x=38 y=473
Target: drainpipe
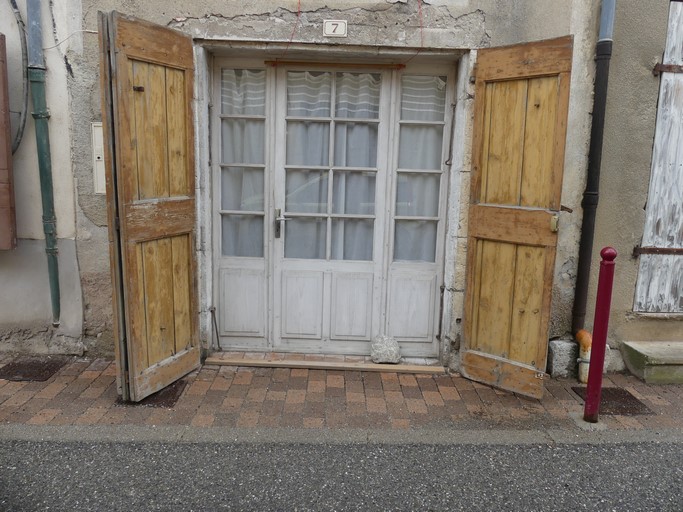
x=591 y=194
x=36 y=76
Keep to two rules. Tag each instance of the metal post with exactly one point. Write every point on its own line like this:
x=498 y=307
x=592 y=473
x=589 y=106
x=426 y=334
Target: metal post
x=603 y=303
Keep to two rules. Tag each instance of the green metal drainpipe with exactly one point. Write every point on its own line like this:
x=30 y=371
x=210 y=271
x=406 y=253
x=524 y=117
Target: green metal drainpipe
x=36 y=77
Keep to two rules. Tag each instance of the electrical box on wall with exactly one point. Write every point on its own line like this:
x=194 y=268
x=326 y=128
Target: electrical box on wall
x=98 y=159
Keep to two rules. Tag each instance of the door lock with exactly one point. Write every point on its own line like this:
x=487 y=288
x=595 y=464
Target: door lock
x=279 y=219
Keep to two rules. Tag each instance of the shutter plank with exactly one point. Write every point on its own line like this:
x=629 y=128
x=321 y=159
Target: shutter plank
x=8 y=224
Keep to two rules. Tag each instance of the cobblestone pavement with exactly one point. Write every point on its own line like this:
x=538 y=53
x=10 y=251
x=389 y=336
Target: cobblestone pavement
x=84 y=392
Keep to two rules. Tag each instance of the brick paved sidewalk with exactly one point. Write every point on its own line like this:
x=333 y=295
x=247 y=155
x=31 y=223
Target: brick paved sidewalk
x=83 y=392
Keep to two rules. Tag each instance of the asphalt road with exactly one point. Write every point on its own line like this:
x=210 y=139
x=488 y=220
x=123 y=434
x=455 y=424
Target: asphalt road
x=170 y=476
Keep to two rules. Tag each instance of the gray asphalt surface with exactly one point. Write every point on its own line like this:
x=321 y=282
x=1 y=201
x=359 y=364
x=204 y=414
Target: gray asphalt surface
x=151 y=476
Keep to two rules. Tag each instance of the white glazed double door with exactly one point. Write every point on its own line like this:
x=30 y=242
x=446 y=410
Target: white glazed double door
x=330 y=204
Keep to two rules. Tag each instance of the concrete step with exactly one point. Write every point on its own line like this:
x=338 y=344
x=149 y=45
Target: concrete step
x=655 y=362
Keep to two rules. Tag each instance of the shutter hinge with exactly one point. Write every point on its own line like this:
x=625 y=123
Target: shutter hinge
x=666 y=68
x=117 y=224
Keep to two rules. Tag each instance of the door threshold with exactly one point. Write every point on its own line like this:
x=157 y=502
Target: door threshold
x=322 y=362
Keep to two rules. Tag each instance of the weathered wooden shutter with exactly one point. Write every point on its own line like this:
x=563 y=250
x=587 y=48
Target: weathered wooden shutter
x=660 y=277
x=521 y=100
x=147 y=87
x=8 y=226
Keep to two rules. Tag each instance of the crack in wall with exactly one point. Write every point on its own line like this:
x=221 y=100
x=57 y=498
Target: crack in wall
x=398 y=16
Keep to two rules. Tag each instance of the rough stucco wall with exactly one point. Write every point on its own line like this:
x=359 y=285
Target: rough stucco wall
x=25 y=311
x=448 y=24
x=639 y=37
x=27 y=184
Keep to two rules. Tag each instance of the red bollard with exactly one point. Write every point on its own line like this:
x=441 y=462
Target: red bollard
x=603 y=303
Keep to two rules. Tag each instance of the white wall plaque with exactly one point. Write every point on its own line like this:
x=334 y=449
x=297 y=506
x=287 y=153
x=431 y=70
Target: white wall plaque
x=334 y=28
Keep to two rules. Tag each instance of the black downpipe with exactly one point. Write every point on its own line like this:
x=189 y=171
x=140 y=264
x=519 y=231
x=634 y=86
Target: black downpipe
x=592 y=194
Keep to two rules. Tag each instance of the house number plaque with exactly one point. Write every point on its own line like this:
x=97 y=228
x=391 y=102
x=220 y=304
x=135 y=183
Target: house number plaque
x=334 y=28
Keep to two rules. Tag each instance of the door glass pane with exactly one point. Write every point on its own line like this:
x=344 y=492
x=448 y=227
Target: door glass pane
x=308 y=143
x=418 y=195
x=243 y=92
x=242 y=141
x=355 y=145
x=353 y=193
x=352 y=239
x=306 y=191
x=415 y=240
x=242 y=235
x=309 y=93
x=357 y=95
x=420 y=147
x=423 y=98
x=242 y=189
x=305 y=238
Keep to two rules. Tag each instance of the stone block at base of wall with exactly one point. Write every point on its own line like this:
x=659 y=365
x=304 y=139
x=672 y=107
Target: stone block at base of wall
x=40 y=341
x=563 y=355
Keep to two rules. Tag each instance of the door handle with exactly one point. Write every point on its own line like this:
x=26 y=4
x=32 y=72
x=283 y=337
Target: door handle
x=279 y=219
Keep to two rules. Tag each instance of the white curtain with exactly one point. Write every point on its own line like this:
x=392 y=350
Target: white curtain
x=355 y=145
x=423 y=104
x=351 y=166
x=243 y=93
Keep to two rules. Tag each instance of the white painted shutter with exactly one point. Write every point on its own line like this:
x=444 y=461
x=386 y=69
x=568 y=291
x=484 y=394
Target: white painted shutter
x=660 y=277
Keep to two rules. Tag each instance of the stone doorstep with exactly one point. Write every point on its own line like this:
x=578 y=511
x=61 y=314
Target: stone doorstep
x=219 y=359
x=655 y=362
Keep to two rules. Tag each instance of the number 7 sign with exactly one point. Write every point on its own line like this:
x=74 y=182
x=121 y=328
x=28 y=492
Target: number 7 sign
x=334 y=28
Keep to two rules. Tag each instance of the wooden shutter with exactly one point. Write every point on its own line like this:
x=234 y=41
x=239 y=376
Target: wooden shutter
x=521 y=100
x=8 y=225
x=660 y=276
x=147 y=80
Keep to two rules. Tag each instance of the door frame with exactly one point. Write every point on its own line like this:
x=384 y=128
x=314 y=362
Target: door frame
x=457 y=139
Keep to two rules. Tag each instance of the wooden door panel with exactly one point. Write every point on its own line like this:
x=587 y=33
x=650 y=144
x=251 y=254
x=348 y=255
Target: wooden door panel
x=518 y=153
x=183 y=285
x=242 y=314
x=515 y=225
x=504 y=131
x=527 y=304
x=495 y=286
x=149 y=104
x=351 y=306
x=303 y=303
x=151 y=194
x=539 y=142
x=502 y=373
x=178 y=132
x=411 y=306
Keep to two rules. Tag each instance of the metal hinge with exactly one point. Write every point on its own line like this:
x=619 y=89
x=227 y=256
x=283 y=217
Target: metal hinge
x=637 y=251
x=666 y=68
x=117 y=224
x=555 y=223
